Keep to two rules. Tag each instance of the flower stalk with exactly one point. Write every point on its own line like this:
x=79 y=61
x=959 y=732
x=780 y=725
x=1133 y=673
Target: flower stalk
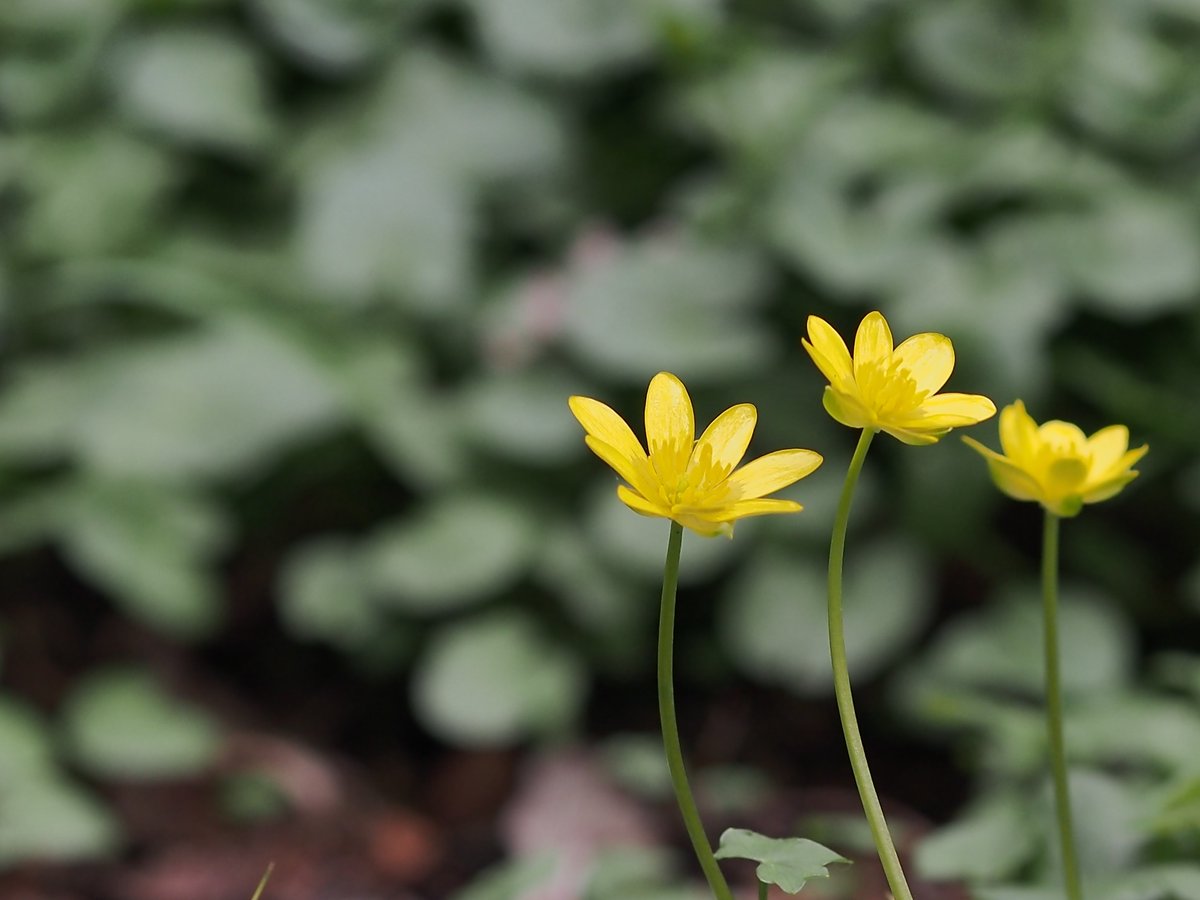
x=670 y=728
x=884 y=845
x=1054 y=717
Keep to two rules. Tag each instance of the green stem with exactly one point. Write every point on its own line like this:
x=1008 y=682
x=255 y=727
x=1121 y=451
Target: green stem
x=1054 y=718
x=841 y=681
x=670 y=729
x=762 y=890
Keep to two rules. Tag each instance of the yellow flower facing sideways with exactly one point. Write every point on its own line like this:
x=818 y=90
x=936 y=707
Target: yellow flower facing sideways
x=692 y=482
x=892 y=389
x=1056 y=464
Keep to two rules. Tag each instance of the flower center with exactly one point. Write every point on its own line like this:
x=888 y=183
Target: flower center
x=888 y=388
x=698 y=479
x=1066 y=471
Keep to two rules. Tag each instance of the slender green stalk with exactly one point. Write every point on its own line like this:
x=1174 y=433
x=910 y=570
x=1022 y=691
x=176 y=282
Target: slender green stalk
x=762 y=890
x=1054 y=718
x=841 y=681
x=262 y=884
x=670 y=729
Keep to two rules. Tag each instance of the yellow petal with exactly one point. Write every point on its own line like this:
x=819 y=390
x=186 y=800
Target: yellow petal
x=602 y=423
x=929 y=359
x=951 y=411
x=1106 y=448
x=846 y=409
x=1063 y=436
x=1108 y=488
x=744 y=508
x=1132 y=456
x=636 y=472
x=1100 y=484
x=872 y=343
x=1018 y=434
x=915 y=437
x=771 y=472
x=722 y=445
x=670 y=426
x=1009 y=477
x=829 y=352
x=704 y=527
x=640 y=504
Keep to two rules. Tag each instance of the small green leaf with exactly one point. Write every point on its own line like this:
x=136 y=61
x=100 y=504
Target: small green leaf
x=122 y=724
x=50 y=819
x=511 y=880
x=92 y=192
x=773 y=614
x=786 y=862
x=324 y=596
x=330 y=37
x=495 y=680
x=209 y=402
x=147 y=546
x=684 y=306
x=28 y=749
x=620 y=873
x=522 y=416
x=456 y=552
x=196 y=85
x=563 y=38
x=382 y=221
x=991 y=841
x=1000 y=647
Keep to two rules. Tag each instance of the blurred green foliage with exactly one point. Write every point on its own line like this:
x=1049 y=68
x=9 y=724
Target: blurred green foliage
x=257 y=242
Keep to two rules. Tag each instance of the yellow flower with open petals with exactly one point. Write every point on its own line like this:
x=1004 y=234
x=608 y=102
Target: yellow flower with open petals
x=892 y=389
x=1056 y=465
x=692 y=482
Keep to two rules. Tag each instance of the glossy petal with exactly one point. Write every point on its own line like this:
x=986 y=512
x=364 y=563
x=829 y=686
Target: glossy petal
x=1011 y=479
x=1018 y=434
x=872 y=343
x=1132 y=456
x=603 y=423
x=1109 y=488
x=915 y=437
x=956 y=410
x=640 y=504
x=929 y=359
x=670 y=426
x=1106 y=448
x=829 y=352
x=705 y=527
x=723 y=444
x=744 y=508
x=1063 y=435
x=772 y=472
x=846 y=409
x=636 y=472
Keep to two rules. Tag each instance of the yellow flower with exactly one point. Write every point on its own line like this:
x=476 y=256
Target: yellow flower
x=892 y=390
x=691 y=481
x=1056 y=465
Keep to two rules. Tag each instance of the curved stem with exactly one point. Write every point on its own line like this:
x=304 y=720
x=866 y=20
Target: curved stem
x=1054 y=719
x=841 y=682
x=670 y=729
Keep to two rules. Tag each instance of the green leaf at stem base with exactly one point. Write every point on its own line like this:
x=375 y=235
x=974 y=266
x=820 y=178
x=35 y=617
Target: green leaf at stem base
x=785 y=862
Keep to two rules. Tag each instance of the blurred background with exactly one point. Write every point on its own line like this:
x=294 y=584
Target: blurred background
x=304 y=558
